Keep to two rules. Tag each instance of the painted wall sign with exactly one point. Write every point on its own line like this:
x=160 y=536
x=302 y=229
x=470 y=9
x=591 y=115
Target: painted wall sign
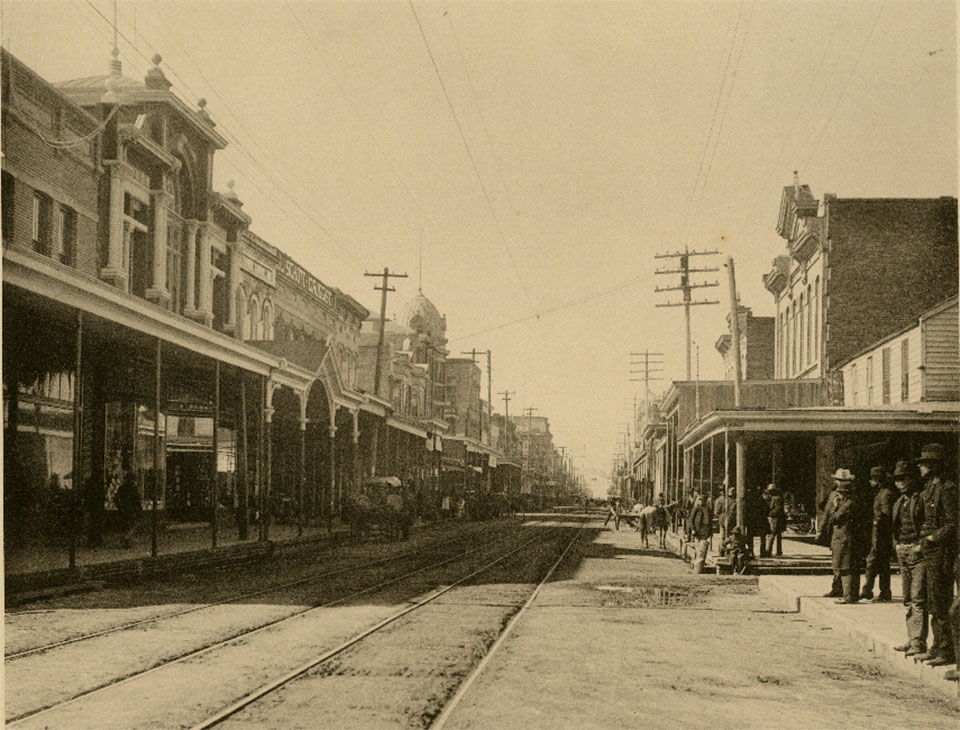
x=304 y=280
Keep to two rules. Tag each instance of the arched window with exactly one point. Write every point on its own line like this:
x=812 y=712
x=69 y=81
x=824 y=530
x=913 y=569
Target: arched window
x=800 y=338
x=242 y=322
x=266 y=321
x=816 y=316
x=253 y=318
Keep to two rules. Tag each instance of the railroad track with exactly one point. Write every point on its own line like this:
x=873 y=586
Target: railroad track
x=271 y=687
x=313 y=577
x=249 y=632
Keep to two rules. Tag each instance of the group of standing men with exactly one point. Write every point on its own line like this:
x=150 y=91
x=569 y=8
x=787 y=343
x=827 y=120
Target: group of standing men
x=920 y=526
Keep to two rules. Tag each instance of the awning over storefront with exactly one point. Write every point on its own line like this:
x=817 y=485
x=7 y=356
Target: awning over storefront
x=935 y=418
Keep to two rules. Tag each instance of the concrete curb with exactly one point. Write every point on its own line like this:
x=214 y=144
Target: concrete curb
x=824 y=612
x=23 y=587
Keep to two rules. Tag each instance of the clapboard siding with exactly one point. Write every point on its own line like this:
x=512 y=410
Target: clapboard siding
x=941 y=337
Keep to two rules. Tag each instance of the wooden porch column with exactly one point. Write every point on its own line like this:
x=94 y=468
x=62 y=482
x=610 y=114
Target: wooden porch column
x=244 y=462
x=741 y=479
x=302 y=472
x=267 y=466
x=214 y=494
x=157 y=457
x=356 y=451
x=333 y=472
x=77 y=456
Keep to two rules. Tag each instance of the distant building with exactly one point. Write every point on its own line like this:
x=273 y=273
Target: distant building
x=855 y=269
x=756 y=347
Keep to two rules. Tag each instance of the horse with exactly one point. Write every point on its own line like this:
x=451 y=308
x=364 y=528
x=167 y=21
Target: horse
x=651 y=519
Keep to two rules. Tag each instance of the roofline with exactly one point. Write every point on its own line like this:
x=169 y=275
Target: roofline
x=824 y=420
x=935 y=309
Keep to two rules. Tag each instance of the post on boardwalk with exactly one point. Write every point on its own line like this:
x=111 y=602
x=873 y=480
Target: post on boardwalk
x=243 y=461
x=157 y=456
x=76 y=503
x=214 y=491
x=302 y=466
x=735 y=338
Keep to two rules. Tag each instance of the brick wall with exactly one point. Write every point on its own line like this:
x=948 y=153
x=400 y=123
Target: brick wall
x=68 y=177
x=759 y=348
x=888 y=262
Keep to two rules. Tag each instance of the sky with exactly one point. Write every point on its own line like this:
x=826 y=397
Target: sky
x=531 y=158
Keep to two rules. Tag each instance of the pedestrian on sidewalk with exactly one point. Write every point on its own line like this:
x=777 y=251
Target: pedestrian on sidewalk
x=722 y=507
x=825 y=537
x=954 y=674
x=906 y=521
x=701 y=528
x=881 y=538
x=127 y=500
x=776 y=520
x=938 y=536
x=843 y=542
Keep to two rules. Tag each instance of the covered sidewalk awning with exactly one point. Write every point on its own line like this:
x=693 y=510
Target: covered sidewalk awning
x=931 y=418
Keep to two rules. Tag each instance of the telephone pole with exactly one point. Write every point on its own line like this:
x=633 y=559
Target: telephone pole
x=686 y=286
x=529 y=413
x=646 y=364
x=384 y=288
x=506 y=419
x=473 y=356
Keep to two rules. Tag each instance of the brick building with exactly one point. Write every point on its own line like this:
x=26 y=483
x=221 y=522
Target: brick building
x=855 y=270
x=756 y=346
x=149 y=335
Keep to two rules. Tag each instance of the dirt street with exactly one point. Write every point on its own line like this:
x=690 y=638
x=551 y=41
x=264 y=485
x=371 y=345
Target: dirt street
x=598 y=651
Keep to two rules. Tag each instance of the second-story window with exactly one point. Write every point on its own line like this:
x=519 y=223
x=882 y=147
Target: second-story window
x=870 y=380
x=854 y=390
x=64 y=236
x=885 y=376
x=905 y=371
x=8 y=204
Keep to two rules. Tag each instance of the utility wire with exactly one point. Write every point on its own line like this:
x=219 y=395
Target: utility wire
x=843 y=92
x=559 y=307
x=240 y=147
x=713 y=117
x=473 y=162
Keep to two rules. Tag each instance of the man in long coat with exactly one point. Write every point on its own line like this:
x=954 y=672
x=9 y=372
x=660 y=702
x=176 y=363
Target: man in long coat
x=844 y=543
x=938 y=536
x=881 y=539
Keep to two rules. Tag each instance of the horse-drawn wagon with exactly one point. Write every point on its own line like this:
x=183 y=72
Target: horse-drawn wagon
x=382 y=502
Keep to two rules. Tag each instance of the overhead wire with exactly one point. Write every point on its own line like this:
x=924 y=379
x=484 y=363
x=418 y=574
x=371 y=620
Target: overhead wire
x=404 y=179
x=843 y=92
x=473 y=161
x=681 y=232
x=559 y=307
x=483 y=119
x=233 y=138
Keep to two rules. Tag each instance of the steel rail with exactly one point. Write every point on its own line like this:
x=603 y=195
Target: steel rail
x=239 y=597
x=272 y=686
x=441 y=720
x=243 y=634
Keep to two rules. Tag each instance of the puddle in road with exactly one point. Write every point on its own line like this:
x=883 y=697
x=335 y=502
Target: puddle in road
x=653 y=596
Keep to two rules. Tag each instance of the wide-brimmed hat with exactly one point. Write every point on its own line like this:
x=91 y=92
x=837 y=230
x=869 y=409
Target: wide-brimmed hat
x=843 y=475
x=771 y=487
x=931 y=452
x=903 y=469
x=878 y=472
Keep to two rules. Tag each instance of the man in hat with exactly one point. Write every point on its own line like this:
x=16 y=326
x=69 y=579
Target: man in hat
x=701 y=528
x=843 y=542
x=881 y=539
x=776 y=519
x=906 y=521
x=938 y=536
